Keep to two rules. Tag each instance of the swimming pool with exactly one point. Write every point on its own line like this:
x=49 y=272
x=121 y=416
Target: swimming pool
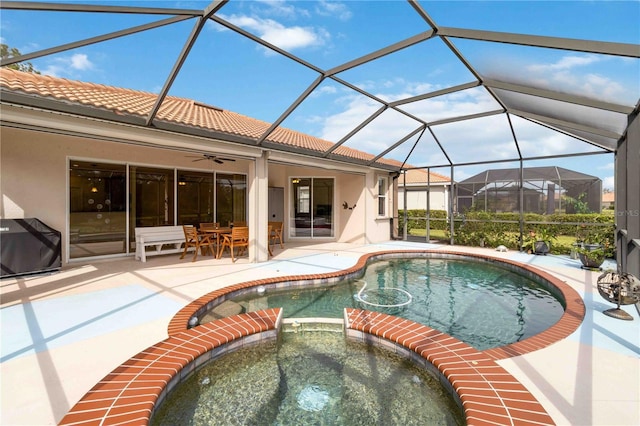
x=470 y=374
x=313 y=376
x=483 y=304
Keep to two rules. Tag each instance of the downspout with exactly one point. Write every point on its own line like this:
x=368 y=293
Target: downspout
x=521 y=220
x=404 y=195
x=451 y=227
x=428 y=204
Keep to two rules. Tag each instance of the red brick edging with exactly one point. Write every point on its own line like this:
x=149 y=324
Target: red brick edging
x=128 y=395
x=488 y=394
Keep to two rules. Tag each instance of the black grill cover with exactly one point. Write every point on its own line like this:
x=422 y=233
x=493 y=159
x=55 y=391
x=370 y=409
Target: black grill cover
x=28 y=246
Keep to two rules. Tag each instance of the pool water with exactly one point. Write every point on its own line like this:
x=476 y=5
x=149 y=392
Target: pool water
x=482 y=304
x=310 y=378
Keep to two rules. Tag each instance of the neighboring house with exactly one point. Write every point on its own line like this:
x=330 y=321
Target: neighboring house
x=81 y=158
x=608 y=200
x=418 y=184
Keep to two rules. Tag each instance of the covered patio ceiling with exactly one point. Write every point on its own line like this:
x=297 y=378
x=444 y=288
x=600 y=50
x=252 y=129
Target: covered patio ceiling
x=470 y=96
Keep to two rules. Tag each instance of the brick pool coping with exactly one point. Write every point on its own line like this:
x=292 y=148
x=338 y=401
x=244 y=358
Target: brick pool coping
x=128 y=395
x=487 y=392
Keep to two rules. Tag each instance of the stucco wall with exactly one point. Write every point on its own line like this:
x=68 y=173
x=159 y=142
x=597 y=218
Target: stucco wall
x=349 y=224
x=33 y=180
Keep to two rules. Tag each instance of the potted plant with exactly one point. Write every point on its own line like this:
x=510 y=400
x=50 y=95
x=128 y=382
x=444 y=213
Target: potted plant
x=591 y=255
x=593 y=245
x=538 y=242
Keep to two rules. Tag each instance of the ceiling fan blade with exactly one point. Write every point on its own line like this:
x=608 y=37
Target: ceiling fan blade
x=217 y=160
x=227 y=159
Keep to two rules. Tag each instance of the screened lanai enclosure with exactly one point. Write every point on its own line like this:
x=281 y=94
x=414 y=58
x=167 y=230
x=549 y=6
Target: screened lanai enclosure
x=545 y=190
x=450 y=86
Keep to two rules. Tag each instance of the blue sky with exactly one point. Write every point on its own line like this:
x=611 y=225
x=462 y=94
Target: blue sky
x=229 y=71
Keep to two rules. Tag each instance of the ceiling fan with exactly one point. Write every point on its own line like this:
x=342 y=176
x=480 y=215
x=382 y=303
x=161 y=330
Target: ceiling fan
x=211 y=157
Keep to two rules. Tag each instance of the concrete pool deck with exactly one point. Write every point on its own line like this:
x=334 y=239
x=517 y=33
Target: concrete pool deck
x=63 y=332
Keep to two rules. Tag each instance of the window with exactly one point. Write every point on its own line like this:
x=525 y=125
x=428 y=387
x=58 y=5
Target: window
x=382 y=196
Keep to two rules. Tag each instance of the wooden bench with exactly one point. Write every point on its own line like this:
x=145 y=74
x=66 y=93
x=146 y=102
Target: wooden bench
x=165 y=239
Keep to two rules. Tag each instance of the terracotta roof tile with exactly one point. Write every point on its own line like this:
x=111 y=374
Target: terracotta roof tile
x=419 y=176
x=173 y=109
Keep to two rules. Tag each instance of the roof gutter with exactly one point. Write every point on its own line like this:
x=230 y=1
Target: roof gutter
x=31 y=118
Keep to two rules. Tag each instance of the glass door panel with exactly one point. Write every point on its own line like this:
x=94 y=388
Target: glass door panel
x=231 y=198
x=312 y=207
x=322 y=199
x=301 y=208
x=195 y=198
x=97 y=209
x=151 y=195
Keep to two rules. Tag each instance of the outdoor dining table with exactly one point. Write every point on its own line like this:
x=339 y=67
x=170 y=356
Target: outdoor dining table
x=218 y=232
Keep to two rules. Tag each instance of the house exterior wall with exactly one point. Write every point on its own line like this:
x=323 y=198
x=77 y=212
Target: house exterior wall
x=349 y=224
x=34 y=181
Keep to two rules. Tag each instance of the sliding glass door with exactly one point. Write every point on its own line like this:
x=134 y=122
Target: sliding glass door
x=195 y=198
x=151 y=197
x=231 y=198
x=97 y=209
x=98 y=194
x=312 y=207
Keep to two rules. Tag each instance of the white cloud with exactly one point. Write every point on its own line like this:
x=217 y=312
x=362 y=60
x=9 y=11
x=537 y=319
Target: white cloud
x=279 y=8
x=80 y=62
x=608 y=183
x=595 y=76
x=565 y=63
x=67 y=66
x=332 y=8
x=466 y=141
x=288 y=38
x=324 y=90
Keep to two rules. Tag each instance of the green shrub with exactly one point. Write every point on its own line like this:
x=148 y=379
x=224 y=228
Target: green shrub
x=476 y=228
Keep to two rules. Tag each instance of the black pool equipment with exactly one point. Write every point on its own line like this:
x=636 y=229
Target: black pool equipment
x=28 y=246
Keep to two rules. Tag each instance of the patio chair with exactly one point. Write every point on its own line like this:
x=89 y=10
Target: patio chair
x=192 y=238
x=269 y=232
x=276 y=233
x=237 y=238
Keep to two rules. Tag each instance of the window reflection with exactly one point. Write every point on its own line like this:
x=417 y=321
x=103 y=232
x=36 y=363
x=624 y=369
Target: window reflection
x=195 y=198
x=231 y=198
x=97 y=209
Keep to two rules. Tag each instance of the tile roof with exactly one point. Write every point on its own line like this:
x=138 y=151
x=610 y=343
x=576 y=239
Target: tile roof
x=419 y=177
x=174 y=109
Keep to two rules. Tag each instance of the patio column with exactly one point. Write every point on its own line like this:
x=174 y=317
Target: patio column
x=627 y=202
x=258 y=219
